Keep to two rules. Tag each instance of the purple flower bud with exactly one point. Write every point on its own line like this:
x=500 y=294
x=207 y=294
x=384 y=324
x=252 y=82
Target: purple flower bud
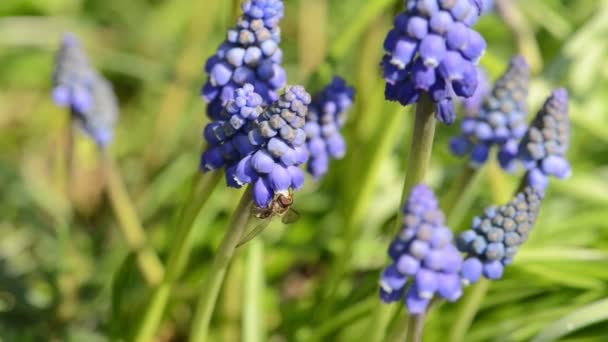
x=262 y=162
x=416 y=305
x=432 y=50
x=450 y=287
x=262 y=194
x=417 y=27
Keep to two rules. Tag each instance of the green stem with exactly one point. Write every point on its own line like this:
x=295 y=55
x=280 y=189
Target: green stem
x=147 y=260
x=215 y=277
x=415 y=328
x=468 y=309
x=418 y=162
x=253 y=320
x=420 y=149
x=202 y=187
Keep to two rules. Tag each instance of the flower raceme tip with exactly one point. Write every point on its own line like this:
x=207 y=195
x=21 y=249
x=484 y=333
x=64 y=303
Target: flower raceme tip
x=250 y=54
x=497 y=235
x=543 y=148
x=500 y=121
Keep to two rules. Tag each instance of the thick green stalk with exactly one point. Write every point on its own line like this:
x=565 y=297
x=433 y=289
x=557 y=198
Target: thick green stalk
x=418 y=162
x=415 y=327
x=201 y=190
x=215 y=277
x=253 y=314
x=149 y=264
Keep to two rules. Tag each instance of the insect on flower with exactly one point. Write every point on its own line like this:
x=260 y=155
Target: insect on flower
x=280 y=206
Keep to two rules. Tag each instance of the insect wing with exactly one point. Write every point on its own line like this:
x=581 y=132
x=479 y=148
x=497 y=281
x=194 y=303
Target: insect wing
x=291 y=216
x=255 y=231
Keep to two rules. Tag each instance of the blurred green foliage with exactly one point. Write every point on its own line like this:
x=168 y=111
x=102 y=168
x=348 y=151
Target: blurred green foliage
x=66 y=273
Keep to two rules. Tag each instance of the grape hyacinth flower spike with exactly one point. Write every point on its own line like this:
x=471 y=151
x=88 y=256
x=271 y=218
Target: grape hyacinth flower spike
x=326 y=117
x=273 y=149
x=497 y=235
x=423 y=254
x=250 y=54
x=90 y=97
x=500 y=121
x=432 y=49
x=543 y=148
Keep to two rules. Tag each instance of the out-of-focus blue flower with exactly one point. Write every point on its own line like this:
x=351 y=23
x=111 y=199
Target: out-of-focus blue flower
x=543 y=148
x=326 y=117
x=250 y=54
x=433 y=49
x=423 y=255
x=78 y=86
x=497 y=235
x=472 y=105
x=487 y=7
x=501 y=120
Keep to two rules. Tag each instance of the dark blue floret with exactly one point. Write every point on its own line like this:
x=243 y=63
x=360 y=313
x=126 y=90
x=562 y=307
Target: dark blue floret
x=250 y=54
x=543 y=148
x=501 y=120
x=433 y=49
x=423 y=256
x=326 y=117
x=78 y=86
x=497 y=235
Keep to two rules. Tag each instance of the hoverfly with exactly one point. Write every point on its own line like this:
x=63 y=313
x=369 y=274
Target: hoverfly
x=280 y=206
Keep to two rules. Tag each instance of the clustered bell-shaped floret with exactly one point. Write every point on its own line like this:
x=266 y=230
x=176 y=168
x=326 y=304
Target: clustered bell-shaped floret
x=543 y=148
x=433 y=49
x=273 y=149
x=250 y=54
x=326 y=117
x=472 y=105
x=227 y=136
x=78 y=86
x=423 y=255
x=501 y=121
x=497 y=235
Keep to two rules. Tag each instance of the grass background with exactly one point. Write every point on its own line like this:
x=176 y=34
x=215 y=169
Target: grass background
x=65 y=271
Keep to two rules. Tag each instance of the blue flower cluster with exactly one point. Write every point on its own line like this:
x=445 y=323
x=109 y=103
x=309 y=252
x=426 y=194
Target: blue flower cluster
x=78 y=86
x=279 y=141
x=260 y=147
x=227 y=136
x=250 y=54
x=543 y=148
x=501 y=120
x=433 y=49
x=326 y=117
x=423 y=252
x=497 y=235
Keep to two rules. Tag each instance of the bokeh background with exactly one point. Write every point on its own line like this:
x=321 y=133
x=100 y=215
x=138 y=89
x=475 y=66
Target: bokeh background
x=65 y=271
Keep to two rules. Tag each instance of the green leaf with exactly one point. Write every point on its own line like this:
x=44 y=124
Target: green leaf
x=578 y=319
